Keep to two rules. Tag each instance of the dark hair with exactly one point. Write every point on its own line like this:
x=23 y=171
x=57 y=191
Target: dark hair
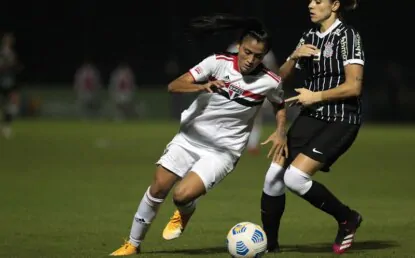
x=210 y=25
x=345 y=6
x=348 y=5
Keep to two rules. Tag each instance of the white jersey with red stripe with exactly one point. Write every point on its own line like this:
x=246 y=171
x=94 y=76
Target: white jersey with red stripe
x=87 y=82
x=122 y=85
x=223 y=120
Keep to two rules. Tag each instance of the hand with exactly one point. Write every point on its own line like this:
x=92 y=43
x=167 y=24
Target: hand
x=305 y=97
x=305 y=50
x=212 y=84
x=279 y=148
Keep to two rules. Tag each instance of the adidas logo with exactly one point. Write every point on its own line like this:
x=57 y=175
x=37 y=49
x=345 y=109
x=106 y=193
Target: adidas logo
x=226 y=78
x=140 y=220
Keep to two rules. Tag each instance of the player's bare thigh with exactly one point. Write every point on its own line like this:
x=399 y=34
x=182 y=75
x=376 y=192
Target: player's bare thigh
x=189 y=188
x=307 y=164
x=162 y=183
x=207 y=172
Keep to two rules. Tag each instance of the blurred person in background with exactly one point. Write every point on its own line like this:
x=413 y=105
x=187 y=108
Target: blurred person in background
x=87 y=87
x=122 y=89
x=271 y=63
x=9 y=97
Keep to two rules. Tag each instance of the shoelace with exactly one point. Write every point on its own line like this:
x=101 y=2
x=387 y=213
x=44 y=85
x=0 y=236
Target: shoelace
x=126 y=244
x=176 y=219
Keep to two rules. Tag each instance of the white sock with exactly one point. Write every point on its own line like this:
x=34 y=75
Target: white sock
x=146 y=212
x=188 y=208
x=274 y=180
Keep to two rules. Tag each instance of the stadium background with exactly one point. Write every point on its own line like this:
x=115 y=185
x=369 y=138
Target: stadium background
x=69 y=188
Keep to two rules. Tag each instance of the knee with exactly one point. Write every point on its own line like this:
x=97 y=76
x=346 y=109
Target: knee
x=182 y=195
x=297 y=181
x=274 y=184
x=159 y=189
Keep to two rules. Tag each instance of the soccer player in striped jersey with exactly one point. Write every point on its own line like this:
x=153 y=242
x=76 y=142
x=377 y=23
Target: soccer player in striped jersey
x=271 y=63
x=332 y=58
x=214 y=130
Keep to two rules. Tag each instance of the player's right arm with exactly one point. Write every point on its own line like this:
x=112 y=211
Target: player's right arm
x=188 y=82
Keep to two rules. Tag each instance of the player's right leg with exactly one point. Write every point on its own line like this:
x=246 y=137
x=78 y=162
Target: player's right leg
x=173 y=165
x=273 y=194
x=185 y=195
x=147 y=210
x=273 y=203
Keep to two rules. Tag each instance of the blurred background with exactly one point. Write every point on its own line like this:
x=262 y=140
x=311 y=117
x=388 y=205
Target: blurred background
x=54 y=40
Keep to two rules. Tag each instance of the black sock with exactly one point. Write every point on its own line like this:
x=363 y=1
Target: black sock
x=321 y=198
x=272 y=208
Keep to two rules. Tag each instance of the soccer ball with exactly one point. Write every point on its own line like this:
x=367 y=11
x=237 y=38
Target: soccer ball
x=246 y=239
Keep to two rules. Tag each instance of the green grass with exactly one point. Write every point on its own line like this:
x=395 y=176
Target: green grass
x=70 y=189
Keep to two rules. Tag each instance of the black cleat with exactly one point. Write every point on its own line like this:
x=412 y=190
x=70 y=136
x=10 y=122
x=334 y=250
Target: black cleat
x=346 y=233
x=273 y=248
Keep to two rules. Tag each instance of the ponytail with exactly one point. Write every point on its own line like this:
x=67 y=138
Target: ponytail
x=211 y=25
x=349 y=5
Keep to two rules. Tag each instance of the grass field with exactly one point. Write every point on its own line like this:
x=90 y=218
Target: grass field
x=70 y=189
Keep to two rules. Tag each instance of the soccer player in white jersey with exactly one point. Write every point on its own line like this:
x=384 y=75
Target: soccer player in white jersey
x=271 y=63
x=122 y=88
x=214 y=130
x=87 y=86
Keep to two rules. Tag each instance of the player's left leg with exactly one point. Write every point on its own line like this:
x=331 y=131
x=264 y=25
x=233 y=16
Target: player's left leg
x=273 y=203
x=185 y=196
x=322 y=151
x=207 y=172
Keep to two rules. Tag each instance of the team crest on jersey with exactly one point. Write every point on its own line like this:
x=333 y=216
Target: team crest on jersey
x=328 y=49
x=235 y=91
x=337 y=32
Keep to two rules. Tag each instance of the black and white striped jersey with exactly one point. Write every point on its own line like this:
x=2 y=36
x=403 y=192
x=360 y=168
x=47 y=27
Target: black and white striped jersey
x=339 y=46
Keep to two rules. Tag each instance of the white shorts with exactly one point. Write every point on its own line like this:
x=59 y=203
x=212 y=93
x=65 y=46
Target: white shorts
x=181 y=157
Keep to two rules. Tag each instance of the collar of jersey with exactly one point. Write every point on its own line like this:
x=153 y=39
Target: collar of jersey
x=330 y=29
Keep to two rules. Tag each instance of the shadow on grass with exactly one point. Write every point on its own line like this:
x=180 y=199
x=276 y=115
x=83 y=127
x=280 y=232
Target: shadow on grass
x=358 y=246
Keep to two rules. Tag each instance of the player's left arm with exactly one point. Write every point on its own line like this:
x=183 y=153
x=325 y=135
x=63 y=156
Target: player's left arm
x=278 y=137
x=353 y=60
x=280 y=118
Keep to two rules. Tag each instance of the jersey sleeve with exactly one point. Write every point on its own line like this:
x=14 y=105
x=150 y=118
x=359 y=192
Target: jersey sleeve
x=352 y=48
x=203 y=70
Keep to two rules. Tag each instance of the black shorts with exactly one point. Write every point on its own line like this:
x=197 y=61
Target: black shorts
x=320 y=140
